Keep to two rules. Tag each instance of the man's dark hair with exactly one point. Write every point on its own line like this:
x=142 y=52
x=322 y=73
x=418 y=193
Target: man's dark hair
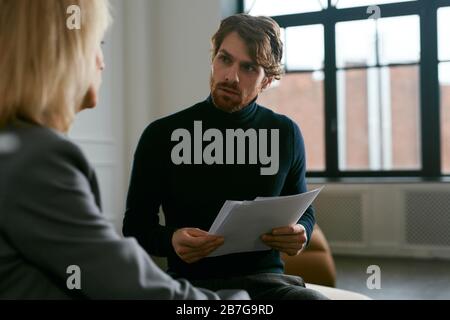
x=262 y=36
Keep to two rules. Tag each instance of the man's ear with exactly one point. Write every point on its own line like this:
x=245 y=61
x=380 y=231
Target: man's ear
x=267 y=81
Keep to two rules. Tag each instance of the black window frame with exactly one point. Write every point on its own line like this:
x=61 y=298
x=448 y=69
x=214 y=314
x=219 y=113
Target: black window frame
x=429 y=98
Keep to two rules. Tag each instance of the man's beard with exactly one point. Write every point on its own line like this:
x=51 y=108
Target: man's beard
x=229 y=103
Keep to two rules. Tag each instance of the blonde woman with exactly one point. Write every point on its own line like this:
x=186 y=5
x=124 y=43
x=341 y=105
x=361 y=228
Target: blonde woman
x=54 y=242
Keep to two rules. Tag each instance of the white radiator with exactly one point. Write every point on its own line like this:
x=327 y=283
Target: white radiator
x=407 y=220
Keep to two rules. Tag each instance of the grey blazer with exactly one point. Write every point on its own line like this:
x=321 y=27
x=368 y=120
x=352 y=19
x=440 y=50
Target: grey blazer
x=50 y=219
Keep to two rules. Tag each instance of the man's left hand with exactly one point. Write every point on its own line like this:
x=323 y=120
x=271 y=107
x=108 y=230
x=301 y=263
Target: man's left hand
x=290 y=240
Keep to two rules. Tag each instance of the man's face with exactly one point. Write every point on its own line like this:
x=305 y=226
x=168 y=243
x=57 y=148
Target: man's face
x=235 y=79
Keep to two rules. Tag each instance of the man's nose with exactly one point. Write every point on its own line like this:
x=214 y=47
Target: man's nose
x=232 y=74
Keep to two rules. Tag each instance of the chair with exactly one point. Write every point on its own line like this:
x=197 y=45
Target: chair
x=315 y=263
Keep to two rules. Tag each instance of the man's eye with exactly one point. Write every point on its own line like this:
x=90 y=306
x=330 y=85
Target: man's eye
x=249 y=68
x=225 y=59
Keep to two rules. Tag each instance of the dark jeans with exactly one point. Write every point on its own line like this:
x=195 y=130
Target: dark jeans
x=264 y=286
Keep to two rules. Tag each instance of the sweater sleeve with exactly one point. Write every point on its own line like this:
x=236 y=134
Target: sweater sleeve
x=296 y=178
x=144 y=199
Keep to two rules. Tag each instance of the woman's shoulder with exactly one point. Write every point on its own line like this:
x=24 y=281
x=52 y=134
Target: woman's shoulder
x=26 y=148
x=38 y=139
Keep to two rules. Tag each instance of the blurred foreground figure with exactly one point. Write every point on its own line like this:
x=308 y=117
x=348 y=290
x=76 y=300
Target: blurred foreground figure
x=54 y=241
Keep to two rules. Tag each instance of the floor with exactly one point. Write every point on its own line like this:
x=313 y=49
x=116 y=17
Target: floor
x=403 y=279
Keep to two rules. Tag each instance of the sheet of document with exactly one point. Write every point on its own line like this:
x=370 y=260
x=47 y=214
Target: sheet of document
x=242 y=223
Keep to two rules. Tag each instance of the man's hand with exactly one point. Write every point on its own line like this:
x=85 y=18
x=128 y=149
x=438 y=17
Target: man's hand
x=192 y=244
x=290 y=240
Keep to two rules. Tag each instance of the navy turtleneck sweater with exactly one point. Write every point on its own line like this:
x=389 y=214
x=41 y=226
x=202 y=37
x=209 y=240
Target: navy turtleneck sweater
x=191 y=195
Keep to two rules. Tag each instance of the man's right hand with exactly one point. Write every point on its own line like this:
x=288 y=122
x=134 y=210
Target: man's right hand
x=193 y=244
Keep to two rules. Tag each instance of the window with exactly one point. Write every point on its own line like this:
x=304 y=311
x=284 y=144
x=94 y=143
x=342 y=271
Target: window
x=378 y=104
x=298 y=57
x=371 y=96
x=276 y=8
x=361 y=3
x=444 y=84
x=300 y=92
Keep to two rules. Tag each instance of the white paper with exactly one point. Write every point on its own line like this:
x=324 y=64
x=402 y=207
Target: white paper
x=242 y=223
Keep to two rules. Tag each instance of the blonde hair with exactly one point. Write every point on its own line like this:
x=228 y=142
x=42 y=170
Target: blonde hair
x=46 y=68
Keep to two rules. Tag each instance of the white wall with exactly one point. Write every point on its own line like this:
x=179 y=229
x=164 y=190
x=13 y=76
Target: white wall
x=183 y=57
x=101 y=132
x=167 y=58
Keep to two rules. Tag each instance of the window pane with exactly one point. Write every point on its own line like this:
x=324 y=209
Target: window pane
x=283 y=39
x=443 y=33
x=397 y=40
x=301 y=57
x=378 y=119
x=361 y=32
x=444 y=80
x=278 y=8
x=361 y=3
x=300 y=97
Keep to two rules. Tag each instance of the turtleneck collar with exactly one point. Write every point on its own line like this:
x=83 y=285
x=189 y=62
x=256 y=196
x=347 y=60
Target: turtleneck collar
x=245 y=114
